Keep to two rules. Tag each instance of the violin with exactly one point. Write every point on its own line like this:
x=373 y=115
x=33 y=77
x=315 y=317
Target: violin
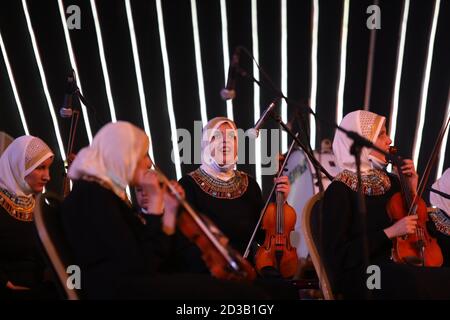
x=222 y=260
x=419 y=248
x=277 y=251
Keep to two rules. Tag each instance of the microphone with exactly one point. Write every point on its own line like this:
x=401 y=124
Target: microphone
x=229 y=92
x=254 y=132
x=66 y=109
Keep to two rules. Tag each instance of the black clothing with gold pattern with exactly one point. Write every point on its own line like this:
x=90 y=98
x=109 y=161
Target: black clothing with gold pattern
x=233 y=206
x=21 y=262
x=439 y=227
x=120 y=255
x=343 y=245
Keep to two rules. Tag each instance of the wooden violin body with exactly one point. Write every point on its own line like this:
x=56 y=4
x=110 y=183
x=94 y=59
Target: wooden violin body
x=277 y=251
x=278 y=222
x=418 y=248
x=222 y=261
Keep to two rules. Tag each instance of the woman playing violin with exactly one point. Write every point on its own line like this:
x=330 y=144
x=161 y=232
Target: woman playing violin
x=230 y=198
x=343 y=236
x=118 y=249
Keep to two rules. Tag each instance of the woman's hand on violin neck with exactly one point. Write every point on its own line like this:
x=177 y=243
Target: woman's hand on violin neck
x=410 y=173
x=404 y=226
x=283 y=186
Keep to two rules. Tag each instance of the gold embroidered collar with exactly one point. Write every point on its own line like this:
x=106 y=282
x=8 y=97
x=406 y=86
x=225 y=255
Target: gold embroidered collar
x=20 y=208
x=441 y=221
x=231 y=189
x=374 y=182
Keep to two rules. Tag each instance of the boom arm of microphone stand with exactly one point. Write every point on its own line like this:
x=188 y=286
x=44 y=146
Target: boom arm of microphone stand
x=360 y=141
x=352 y=135
x=301 y=145
x=87 y=105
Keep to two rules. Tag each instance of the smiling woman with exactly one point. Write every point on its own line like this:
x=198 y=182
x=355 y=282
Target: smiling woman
x=24 y=172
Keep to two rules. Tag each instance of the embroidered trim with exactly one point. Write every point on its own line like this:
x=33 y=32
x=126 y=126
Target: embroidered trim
x=369 y=123
x=441 y=221
x=374 y=182
x=231 y=189
x=20 y=208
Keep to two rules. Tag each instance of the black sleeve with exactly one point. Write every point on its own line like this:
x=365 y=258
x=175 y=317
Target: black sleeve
x=340 y=249
x=258 y=195
x=106 y=233
x=188 y=185
x=259 y=237
x=156 y=241
x=431 y=228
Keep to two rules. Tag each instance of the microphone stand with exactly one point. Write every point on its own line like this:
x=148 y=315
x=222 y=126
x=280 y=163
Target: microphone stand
x=81 y=98
x=311 y=156
x=358 y=143
x=74 y=90
x=356 y=149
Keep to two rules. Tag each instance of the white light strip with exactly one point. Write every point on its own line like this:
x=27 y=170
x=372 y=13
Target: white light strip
x=226 y=51
x=314 y=45
x=198 y=63
x=165 y=58
x=13 y=86
x=440 y=167
x=369 y=74
x=137 y=67
x=256 y=90
x=101 y=52
x=74 y=66
x=284 y=72
x=425 y=85
x=343 y=63
x=398 y=73
x=128 y=192
x=44 y=81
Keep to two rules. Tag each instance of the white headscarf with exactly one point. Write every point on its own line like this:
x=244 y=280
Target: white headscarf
x=209 y=164
x=113 y=156
x=21 y=157
x=368 y=125
x=443 y=185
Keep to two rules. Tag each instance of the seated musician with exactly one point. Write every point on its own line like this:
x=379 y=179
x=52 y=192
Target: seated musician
x=230 y=198
x=24 y=172
x=119 y=249
x=343 y=238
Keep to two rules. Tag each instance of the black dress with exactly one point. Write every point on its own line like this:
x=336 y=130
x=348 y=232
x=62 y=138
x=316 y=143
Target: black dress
x=343 y=247
x=21 y=261
x=120 y=252
x=233 y=206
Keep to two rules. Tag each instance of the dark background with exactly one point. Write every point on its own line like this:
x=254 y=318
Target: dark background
x=50 y=39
